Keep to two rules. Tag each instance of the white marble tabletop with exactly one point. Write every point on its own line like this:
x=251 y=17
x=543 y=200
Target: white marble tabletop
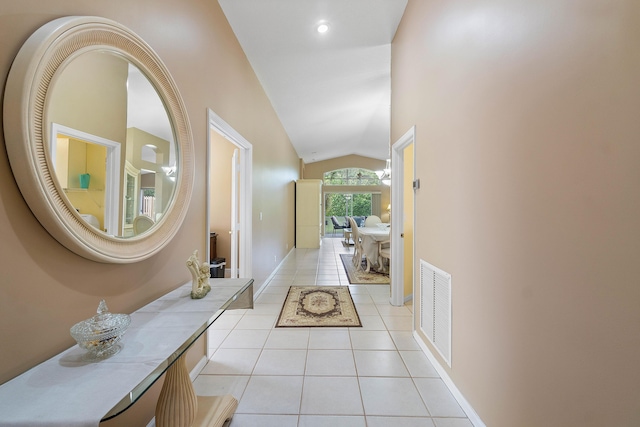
x=69 y=391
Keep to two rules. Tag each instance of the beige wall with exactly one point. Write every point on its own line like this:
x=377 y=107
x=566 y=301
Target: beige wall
x=527 y=149
x=80 y=99
x=44 y=288
x=316 y=170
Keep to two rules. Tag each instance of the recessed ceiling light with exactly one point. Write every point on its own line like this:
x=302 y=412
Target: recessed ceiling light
x=323 y=28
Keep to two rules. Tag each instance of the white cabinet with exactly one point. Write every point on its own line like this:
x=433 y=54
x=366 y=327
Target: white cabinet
x=308 y=213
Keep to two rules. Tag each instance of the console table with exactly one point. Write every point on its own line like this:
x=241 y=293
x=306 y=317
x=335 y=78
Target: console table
x=67 y=390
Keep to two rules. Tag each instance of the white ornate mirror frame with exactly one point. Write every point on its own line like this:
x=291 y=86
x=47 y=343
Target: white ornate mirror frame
x=26 y=134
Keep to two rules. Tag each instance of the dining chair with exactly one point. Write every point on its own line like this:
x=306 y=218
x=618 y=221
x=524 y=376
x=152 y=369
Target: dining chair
x=347 y=231
x=358 y=251
x=384 y=252
x=337 y=225
x=142 y=223
x=372 y=220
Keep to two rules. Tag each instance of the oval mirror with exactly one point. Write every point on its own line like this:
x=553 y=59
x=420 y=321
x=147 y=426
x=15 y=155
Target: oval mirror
x=98 y=139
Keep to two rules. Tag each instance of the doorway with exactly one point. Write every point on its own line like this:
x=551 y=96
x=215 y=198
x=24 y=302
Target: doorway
x=402 y=217
x=240 y=189
x=108 y=206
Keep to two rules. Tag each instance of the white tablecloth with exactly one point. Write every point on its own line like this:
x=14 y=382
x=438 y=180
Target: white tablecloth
x=370 y=238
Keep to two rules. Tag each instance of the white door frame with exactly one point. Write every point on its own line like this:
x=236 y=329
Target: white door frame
x=235 y=177
x=397 y=215
x=246 y=189
x=112 y=179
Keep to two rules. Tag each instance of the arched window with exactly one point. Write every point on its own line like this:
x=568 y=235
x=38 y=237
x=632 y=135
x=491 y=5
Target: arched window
x=351 y=176
x=149 y=153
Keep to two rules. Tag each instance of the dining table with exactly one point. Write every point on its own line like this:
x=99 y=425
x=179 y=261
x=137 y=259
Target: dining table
x=370 y=238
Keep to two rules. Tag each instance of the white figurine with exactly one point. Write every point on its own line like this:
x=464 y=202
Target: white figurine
x=200 y=275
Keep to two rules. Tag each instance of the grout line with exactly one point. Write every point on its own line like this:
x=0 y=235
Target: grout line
x=303 y=260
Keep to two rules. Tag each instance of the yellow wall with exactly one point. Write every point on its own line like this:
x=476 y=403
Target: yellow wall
x=526 y=116
x=220 y=194
x=86 y=158
x=42 y=296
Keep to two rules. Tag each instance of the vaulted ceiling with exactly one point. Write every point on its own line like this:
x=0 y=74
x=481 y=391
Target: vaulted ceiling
x=330 y=90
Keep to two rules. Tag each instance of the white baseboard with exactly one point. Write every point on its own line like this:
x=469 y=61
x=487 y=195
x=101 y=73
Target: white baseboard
x=198 y=368
x=273 y=273
x=193 y=375
x=464 y=404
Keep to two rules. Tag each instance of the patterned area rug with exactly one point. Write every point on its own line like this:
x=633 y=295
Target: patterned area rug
x=307 y=306
x=361 y=277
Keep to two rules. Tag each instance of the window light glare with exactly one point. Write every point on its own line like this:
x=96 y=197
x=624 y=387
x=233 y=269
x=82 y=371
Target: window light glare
x=323 y=28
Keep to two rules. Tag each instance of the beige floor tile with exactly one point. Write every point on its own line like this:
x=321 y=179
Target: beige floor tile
x=336 y=338
x=330 y=363
x=281 y=362
x=371 y=340
x=219 y=385
x=438 y=398
x=398 y=323
x=399 y=422
x=418 y=364
x=271 y=395
x=391 y=397
x=452 y=422
x=257 y=321
x=331 y=420
x=372 y=322
x=288 y=338
x=262 y=420
x=226 y=321
x=404 y=340
x=245 y=338
x=232 y=361
x=374 y=376
x=331 y=395
x=379 y=363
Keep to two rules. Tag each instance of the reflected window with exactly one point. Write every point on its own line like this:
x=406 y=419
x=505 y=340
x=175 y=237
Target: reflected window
x=148 y=194
x=149 y=153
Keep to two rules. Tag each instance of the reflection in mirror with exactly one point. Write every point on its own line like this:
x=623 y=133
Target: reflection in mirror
x=112 y=145
x=78 y=74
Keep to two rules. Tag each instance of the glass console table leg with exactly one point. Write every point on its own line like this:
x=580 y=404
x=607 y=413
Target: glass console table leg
x=178 y=405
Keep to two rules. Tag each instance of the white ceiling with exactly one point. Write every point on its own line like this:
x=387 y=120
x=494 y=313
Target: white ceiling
x=331 y=91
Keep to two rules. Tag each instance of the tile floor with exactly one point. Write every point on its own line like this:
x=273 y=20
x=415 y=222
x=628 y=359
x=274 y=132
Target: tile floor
x=374 y=376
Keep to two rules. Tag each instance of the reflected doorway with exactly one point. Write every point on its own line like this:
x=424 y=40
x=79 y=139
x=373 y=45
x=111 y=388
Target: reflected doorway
x=74 y=153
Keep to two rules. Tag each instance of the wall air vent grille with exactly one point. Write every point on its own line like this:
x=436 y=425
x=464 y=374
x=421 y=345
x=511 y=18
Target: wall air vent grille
x=435 y=308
